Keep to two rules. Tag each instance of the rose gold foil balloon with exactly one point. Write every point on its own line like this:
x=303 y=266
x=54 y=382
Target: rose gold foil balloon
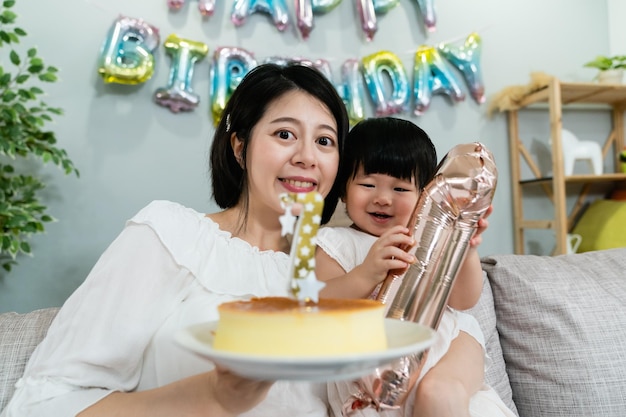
x=445 y=220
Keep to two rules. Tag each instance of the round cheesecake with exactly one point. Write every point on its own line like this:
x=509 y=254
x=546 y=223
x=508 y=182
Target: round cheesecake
x=281 y=326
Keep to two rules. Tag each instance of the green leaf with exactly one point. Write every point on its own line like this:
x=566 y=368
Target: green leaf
x=48 y=77
x=5 y=36
x=25 y=247
x=21 y=79
x=9 y=15
x=8 y=3
x=15 y=58
x=8 y=96
x=35 y=69
x=20 y=31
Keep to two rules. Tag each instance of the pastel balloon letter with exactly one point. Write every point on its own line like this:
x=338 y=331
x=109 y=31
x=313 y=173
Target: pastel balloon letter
x=277 y=9
x=351 y=90
x=367 y=16
x=229 y=67
x=305 y=9
x=427 y=8
x=382 y=66
x=184 y=55
x=432 y=76
x=205 y=7
x=127 y=56
x=467 y=60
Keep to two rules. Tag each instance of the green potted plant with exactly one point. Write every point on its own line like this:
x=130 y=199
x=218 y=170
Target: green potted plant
x=610 y=68
x=23 y=139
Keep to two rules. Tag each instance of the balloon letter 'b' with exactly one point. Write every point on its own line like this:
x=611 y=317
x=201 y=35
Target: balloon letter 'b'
x=178 y=94
x=126 y=56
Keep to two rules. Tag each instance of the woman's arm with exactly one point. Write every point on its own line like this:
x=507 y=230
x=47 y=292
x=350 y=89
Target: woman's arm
x=214 y=394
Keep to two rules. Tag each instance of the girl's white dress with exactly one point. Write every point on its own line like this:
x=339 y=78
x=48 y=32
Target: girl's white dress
x=169 y=268
x=349 y=247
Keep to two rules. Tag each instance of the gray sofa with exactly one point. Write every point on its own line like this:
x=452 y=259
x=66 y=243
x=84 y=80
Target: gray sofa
x=555 y=329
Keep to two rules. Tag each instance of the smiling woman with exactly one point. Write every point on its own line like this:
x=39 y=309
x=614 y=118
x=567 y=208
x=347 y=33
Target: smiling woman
x=110 y=349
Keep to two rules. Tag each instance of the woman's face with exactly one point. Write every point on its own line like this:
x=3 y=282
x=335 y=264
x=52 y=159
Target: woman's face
x=293 y=148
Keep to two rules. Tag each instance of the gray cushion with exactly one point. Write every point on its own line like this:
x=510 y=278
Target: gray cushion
x=562 y=323
x=495 y=374
x=19 y=335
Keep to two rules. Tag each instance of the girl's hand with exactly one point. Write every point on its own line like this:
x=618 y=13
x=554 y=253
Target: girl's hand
x=481 y=226
x=389 y=252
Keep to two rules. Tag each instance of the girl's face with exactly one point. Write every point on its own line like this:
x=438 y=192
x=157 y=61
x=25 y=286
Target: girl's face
x=377 y=202
x=293 y=148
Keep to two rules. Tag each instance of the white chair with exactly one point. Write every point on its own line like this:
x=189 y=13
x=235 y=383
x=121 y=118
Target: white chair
x=575 y=149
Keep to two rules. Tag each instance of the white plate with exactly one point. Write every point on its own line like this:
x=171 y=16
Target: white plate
x=403 y=338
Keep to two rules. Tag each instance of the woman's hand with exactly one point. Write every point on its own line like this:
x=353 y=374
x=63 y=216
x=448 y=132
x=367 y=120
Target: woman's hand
x=236 y=394
x=218 y=393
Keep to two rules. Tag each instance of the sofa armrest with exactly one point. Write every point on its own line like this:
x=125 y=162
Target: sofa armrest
x=561 y=322
x=19 y=336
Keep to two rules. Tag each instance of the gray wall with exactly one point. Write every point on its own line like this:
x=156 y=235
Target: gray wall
x=131 y=151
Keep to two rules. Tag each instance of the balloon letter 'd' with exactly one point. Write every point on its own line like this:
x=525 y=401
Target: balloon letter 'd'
x=229 y=67
x=467 y=60
x=275 y=8
x=126 y=55
x=178 y=94
x=375 y=67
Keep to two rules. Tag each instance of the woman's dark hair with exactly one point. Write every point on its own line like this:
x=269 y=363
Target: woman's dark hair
x=390 y=146
x=247 y=105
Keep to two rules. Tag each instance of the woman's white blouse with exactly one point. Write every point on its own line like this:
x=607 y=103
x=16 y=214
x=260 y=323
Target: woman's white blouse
x=169 y=268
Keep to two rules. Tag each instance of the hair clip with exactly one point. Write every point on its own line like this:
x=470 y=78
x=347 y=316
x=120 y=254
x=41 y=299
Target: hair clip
x=228 y=123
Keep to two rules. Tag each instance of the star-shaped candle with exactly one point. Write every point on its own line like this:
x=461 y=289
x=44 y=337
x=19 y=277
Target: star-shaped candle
x=304 y=284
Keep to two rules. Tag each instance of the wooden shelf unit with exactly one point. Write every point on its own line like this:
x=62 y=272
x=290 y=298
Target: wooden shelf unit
x=559 y=95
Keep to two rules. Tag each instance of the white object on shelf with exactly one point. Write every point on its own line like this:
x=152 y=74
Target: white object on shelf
x=575 y=149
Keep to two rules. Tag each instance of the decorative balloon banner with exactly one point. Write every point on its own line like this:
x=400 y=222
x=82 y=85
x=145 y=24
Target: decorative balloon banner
x=127 y=58
x=368 y=10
